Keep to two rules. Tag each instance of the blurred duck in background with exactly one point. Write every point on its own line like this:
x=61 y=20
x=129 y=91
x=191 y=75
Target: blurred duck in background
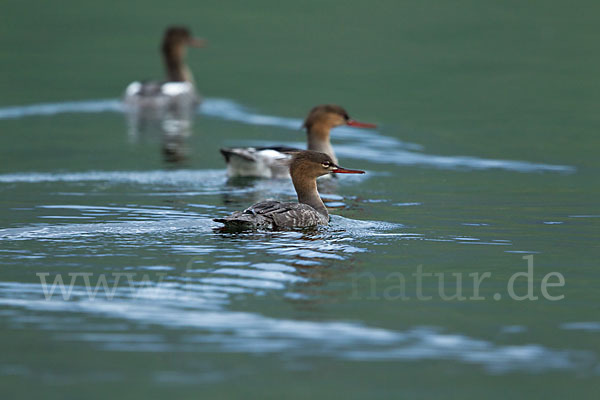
x=179 y=82
x=273 y=161
x=166 y=108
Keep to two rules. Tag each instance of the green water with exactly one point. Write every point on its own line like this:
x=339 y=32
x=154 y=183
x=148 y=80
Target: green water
x=486 y=153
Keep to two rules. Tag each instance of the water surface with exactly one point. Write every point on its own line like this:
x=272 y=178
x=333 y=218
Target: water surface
x=484 y=156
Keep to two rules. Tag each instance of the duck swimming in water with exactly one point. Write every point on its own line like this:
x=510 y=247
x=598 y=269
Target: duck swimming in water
x=179 y=85
x=305 y=167
x=271 y=162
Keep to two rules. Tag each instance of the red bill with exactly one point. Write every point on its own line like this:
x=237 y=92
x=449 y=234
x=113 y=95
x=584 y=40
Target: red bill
x=358 y=124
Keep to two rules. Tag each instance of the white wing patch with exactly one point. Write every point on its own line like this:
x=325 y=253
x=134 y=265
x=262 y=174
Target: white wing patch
x=250 y=162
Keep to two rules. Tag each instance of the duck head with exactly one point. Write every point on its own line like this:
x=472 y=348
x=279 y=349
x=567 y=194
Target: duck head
x=327 y=116
x=309 y=164
x=175 y=42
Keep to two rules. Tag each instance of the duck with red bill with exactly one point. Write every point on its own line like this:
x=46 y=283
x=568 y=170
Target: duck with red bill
x=271 y=162
x=310 y=211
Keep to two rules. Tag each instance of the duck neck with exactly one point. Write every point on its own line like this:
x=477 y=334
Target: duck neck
x=318 y=140
x=306 y=189
x=177 y=70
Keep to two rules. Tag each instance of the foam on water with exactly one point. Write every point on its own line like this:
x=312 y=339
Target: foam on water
x=374 y=146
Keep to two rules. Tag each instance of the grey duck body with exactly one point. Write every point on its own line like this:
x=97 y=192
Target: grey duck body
x=305 y=168
x=275 y=215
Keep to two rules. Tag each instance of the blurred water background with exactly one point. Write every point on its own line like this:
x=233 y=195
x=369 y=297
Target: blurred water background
x=486 y=152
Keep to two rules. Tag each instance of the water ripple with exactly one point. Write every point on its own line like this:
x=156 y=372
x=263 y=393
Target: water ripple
x=132 y=227
x=236 y=331
x=374 y=146
x=200 y=177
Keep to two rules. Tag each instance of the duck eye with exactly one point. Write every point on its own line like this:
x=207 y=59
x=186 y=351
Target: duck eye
x=326 y=164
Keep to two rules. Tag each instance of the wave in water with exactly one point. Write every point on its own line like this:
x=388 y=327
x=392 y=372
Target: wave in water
x=235 y=331
x=47 y=109
x=374 y=147
x=201 y=177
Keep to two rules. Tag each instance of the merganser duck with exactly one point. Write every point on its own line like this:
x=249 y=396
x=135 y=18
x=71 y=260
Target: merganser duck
x=179 y=86
x=305 y=167
x=271 y=162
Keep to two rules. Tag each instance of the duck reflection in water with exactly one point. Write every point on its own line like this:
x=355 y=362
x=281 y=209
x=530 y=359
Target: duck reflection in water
x=308 y=259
